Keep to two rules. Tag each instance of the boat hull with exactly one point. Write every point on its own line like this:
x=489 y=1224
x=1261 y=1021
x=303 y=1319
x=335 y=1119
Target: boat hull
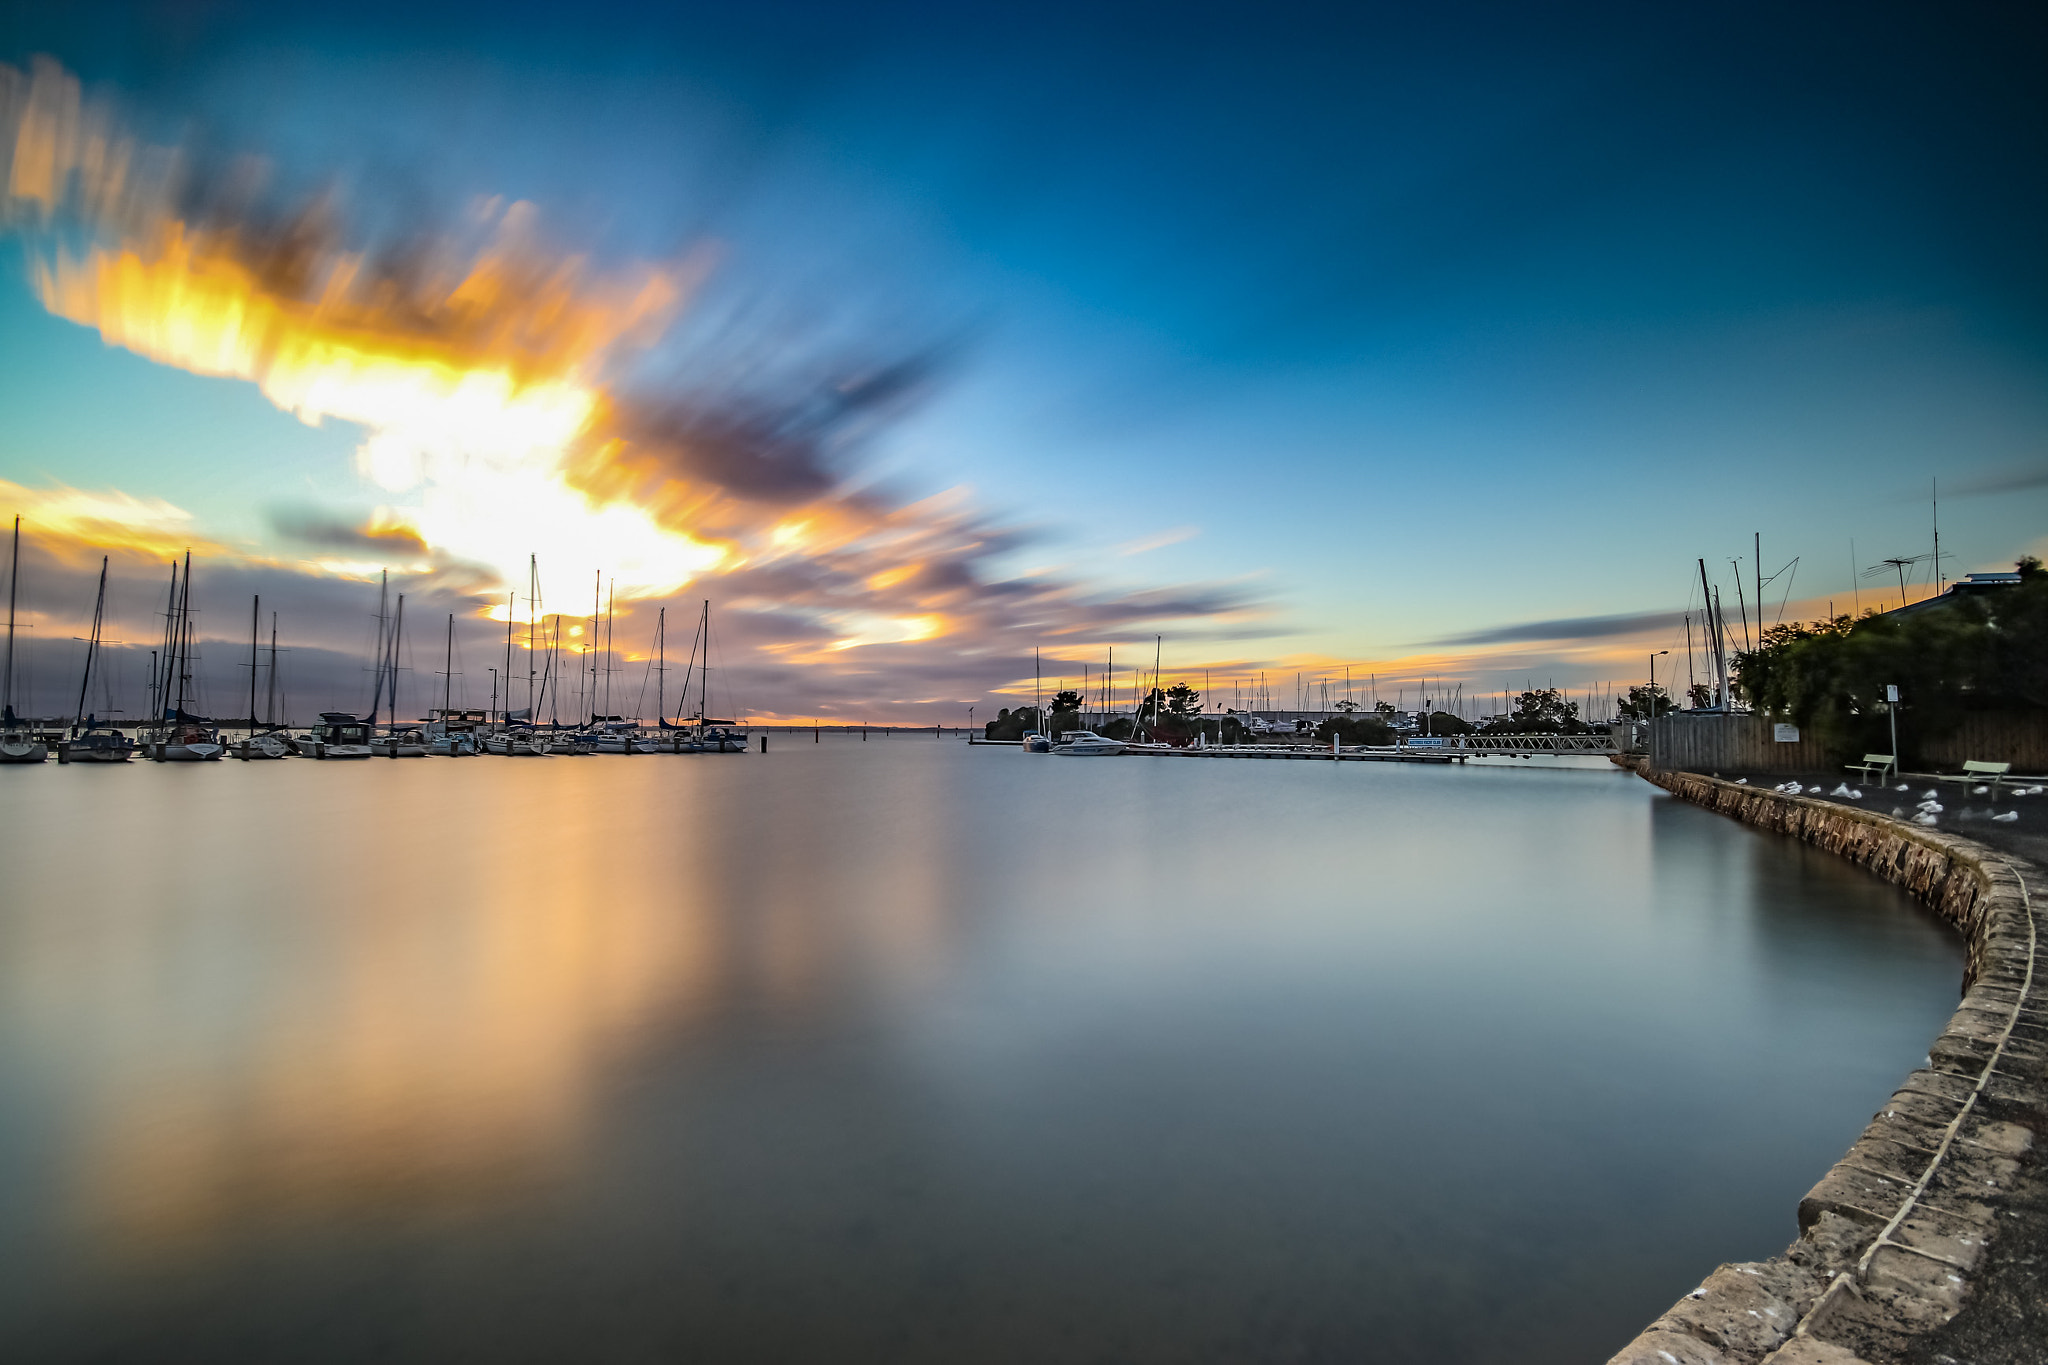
x=72 y=751
x=23 y=751
x=176 y=751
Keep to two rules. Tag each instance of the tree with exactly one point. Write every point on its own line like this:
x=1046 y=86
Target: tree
x=1541 y=712
x=1355 y=730
x=1183 y=701
x=1066 y=700
x=1645 y=703
x=1976 y=653
x=1700 y=697
x=1346 y=707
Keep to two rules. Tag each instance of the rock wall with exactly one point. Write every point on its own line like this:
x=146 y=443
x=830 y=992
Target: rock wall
x=1891 y=1236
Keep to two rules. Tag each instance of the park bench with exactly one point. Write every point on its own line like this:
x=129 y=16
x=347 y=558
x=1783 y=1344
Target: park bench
x=1874 y=767
x=1977 y=771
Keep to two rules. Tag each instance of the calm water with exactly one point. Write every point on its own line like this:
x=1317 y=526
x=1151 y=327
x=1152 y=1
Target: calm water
x=904 y=1051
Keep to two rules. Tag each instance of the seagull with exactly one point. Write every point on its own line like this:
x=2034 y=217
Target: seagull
x=1923 y=818
x=2007 y=818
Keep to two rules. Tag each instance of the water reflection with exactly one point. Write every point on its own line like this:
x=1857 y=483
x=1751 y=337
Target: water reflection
x=909 y=1052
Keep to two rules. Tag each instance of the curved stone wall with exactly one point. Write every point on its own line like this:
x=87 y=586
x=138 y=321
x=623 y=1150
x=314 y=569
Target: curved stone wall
x=1890 y=1237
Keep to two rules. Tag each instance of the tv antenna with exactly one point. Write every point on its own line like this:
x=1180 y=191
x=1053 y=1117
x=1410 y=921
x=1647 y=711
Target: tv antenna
x=1901 y=563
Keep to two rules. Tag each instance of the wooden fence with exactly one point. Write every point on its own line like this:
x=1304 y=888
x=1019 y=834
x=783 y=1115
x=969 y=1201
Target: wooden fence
x=1708 y=742
x=2016 y=737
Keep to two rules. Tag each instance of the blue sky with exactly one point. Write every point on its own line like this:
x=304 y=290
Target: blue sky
x=1389 y=328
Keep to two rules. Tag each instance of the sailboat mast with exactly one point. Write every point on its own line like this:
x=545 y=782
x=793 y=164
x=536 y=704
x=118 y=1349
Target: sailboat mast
x=255 y=621
x=13 y=578
x=660 y=662
x=448 y=669
x=184 y=650
x=596 y=609
x=397 y=627
x=92 y=646
x=160 y=661
x=532 y=600
x=511 y=611
x=704 y=677
x=270 y=700
x=611 y=603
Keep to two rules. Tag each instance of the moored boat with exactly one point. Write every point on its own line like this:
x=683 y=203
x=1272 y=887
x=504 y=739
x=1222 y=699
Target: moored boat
x=338 y=735
x=189 y=740
x=516 y=742
x=260 y=747
x=1087 y=744
x=19 y=743
x=399 y=744
x=96 y=744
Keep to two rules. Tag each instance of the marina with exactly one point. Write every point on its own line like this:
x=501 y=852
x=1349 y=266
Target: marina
x=1272 y=1057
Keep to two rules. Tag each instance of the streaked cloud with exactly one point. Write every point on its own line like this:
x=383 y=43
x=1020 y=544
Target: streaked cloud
x=1568 y=628
x=518 y=399
x=1160 y=541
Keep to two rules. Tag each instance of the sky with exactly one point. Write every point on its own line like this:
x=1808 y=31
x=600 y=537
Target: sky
x=1425 y=347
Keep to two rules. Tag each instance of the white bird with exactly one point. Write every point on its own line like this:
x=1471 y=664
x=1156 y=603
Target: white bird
x=1930 y=794
x=1898 y=811
x=1814 y=790
x=1842 y=790
x=1902 y=786
x=2007 y=818
x=1923 y=818
x=1856 y=795
x=1932 y=805
x=1980 y=791
x=1742 y=782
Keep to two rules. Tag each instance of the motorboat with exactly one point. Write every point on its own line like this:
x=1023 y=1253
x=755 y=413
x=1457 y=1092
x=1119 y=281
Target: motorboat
x=264 y=746
x=338 y=735
x=96 y=745
x=1088 y=744
x=451 y=744
x=1035 y=743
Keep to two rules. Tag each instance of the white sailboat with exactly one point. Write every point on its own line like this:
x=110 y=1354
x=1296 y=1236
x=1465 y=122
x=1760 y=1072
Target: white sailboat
x=180 y=737
x=253 y=745
x=18 y=742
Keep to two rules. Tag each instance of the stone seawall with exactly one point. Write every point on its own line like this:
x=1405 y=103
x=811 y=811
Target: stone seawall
x=1890 y=1238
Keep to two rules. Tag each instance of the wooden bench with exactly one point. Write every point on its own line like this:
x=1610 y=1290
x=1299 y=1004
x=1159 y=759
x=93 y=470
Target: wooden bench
x=1976 y=771
x=1874 y=766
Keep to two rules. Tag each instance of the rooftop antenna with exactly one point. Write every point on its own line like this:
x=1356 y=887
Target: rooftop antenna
x=1900 y=563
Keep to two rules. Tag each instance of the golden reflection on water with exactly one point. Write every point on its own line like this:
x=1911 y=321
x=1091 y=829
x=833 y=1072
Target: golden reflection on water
x=302 y=1032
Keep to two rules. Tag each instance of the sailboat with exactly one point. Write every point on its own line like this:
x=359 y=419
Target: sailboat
x=254 y=745
x=179 y=736
x=18 y=742
x=452 y=733
x=699 y=734
x=394 y=742
x=90 y=741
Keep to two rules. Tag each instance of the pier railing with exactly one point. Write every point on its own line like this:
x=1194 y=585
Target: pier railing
x=1600 y=743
